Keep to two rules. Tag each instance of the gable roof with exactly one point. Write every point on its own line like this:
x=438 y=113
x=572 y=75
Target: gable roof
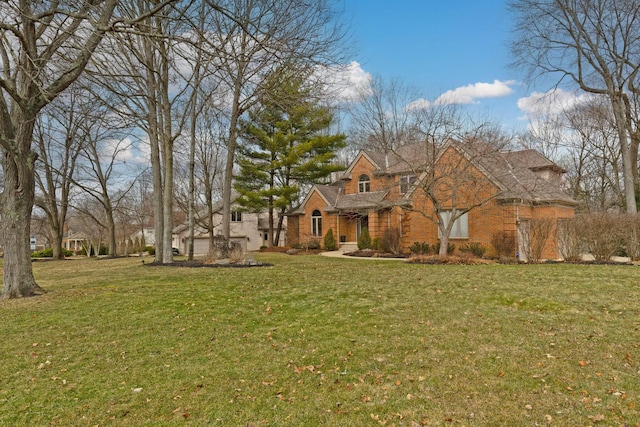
x=515 y=173
x=409 y=158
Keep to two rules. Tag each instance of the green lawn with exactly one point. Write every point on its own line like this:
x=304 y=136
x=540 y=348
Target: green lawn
x=322 y=341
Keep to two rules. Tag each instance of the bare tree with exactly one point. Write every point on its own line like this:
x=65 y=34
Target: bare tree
x=208 y=163
x=595 y=169
x=595 y=45
x=453 y=182
x=152 y=90
x=583 y=139
x=453 y=170
x=383 y=120
x=59 y=137
x=255 y=37
x=44 y=47
x=104 y=173
x=89 y=219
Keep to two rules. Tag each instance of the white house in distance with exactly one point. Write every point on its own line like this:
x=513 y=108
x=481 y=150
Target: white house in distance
x=248 y=229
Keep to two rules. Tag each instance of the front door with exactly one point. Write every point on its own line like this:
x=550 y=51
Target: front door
x=361 y=222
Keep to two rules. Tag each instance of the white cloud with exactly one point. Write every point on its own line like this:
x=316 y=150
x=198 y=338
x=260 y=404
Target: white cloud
x=551 y=103
x=348 y=83
x=117 y=149
x=471 y=93
x=126 y=151
x=419 y=104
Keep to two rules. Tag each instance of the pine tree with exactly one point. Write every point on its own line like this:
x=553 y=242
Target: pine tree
x=284 y=144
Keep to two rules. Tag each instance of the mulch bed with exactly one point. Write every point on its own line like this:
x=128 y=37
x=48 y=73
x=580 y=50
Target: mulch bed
x=375 y=254
x=201 y=264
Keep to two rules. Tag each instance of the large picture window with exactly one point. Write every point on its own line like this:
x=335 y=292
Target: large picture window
x=460 y=228
x=316 y=223
x=364 y=184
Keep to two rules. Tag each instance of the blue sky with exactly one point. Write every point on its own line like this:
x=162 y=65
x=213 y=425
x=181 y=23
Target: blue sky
x=455 y=46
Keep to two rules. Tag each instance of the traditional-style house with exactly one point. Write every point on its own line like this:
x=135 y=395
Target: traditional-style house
x=489 y=193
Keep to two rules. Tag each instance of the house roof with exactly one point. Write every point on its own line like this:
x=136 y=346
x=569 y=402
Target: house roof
x=409 y=158
x=358 y=201
x=518 y=174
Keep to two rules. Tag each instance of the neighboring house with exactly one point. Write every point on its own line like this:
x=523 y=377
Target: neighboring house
x=249 y=229
x=146 y=235
x=74 y=241
x=386 y=191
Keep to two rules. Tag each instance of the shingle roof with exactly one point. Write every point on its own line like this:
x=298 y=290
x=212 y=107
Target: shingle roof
x=516 y=173
x=359 y=201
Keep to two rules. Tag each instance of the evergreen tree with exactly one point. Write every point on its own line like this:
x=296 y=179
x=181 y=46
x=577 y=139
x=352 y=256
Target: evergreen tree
x=284 y=144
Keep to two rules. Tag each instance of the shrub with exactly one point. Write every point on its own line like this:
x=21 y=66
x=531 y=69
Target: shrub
x=330 y=243
x=376 y=244
x=48 y=253
x=364 y=241
x=420 y=248
x=312 y=244
x=568 y=240
x=631 y=238
x=504 y=243
x=601 y=234
x=150 y=249
x=390 y=242
x=536 y=233
x=477 y=249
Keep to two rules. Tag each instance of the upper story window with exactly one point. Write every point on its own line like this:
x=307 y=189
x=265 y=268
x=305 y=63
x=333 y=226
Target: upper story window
x=364 y=184
x=406 y=182
x=236 y=216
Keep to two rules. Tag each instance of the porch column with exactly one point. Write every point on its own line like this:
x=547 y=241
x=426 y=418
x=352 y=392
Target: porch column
x=374 y=228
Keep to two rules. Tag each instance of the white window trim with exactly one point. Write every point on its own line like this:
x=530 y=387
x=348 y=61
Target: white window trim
x=316 y=224
x=406 y=181
x=364 y=186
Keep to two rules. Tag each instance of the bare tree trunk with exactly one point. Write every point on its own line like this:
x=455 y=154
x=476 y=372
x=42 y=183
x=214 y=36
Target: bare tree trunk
x=17 y=201
x=156 y=164
x=444 y=244
x=627 y=148
x=192 y=179
x=271 y=227
x=228 y=169
x=276 y=239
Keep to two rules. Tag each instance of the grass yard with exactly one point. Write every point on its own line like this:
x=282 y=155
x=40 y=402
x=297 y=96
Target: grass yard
x=315 y=341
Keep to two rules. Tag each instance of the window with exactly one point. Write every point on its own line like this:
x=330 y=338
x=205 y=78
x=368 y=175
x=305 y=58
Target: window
x=460 y=228
x=236 y=216
x=406 y=182
x=316 y=223
x=364 y=185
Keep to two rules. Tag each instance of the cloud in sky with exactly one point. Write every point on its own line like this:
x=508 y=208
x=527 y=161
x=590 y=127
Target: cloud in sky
x=551 y=103
x=126 y=151
x=348 y=83
x=470 y=94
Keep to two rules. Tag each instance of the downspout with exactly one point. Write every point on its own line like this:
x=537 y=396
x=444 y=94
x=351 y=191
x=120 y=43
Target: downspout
x=338 y=219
